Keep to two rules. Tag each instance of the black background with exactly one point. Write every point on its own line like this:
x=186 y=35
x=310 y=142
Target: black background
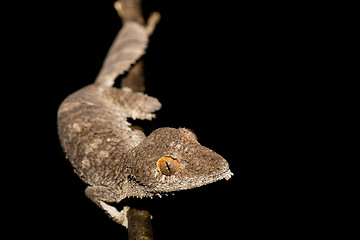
x=233 y=73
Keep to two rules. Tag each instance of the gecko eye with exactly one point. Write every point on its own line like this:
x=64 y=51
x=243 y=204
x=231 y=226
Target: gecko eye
x=168 y=165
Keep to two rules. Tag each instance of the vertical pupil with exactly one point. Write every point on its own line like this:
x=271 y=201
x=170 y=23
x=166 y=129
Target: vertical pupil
x=168 y=167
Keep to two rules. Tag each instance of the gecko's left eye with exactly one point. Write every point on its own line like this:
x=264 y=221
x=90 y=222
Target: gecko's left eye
x=168 y=165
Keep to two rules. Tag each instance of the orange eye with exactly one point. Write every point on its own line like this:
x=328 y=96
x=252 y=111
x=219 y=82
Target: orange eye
x=168 y=165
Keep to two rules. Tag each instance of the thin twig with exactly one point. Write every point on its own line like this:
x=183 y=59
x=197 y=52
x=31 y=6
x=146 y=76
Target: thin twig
x=139 y=224
x=130 y=10
x=139 y=221
x=135 y=78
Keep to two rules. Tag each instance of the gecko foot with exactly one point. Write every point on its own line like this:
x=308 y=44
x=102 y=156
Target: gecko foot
x=102 y=196
x=119 y=217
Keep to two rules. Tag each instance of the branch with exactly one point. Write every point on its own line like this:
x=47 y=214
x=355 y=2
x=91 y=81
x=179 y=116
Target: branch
x=128 y=47
x=139 y=224
x=130 y=10
x=139 y=221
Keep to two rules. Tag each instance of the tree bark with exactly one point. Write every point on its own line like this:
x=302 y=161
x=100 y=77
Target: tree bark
x=139 y=225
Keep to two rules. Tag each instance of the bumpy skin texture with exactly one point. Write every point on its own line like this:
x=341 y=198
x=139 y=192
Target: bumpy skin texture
x=198 y=165
x=118 y=162
x=94 y=132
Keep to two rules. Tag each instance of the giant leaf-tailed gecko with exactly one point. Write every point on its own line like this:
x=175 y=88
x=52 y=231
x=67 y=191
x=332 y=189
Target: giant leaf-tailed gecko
x=118 y=162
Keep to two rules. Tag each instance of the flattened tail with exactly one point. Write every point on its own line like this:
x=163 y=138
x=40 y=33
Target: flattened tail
x=128 y=46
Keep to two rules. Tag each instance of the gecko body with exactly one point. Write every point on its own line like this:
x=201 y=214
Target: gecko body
x=118 y=162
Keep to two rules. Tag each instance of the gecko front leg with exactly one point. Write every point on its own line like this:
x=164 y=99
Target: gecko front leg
x=102 y=196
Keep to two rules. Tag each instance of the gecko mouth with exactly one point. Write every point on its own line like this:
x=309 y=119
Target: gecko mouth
x=185 y=184
x=198 y=182
x=224 y=175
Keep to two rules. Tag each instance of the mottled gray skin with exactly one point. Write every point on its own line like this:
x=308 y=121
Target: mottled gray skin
x=118 y=162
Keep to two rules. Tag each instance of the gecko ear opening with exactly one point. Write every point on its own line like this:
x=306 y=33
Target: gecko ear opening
x=168 y=165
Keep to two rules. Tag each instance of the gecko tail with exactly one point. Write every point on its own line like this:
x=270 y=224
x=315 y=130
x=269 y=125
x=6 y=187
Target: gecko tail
x=128 y=47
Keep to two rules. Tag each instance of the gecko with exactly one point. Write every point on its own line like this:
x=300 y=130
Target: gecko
x=118 y=162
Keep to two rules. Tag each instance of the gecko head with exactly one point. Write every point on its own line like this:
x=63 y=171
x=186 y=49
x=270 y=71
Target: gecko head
x=172 y=159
